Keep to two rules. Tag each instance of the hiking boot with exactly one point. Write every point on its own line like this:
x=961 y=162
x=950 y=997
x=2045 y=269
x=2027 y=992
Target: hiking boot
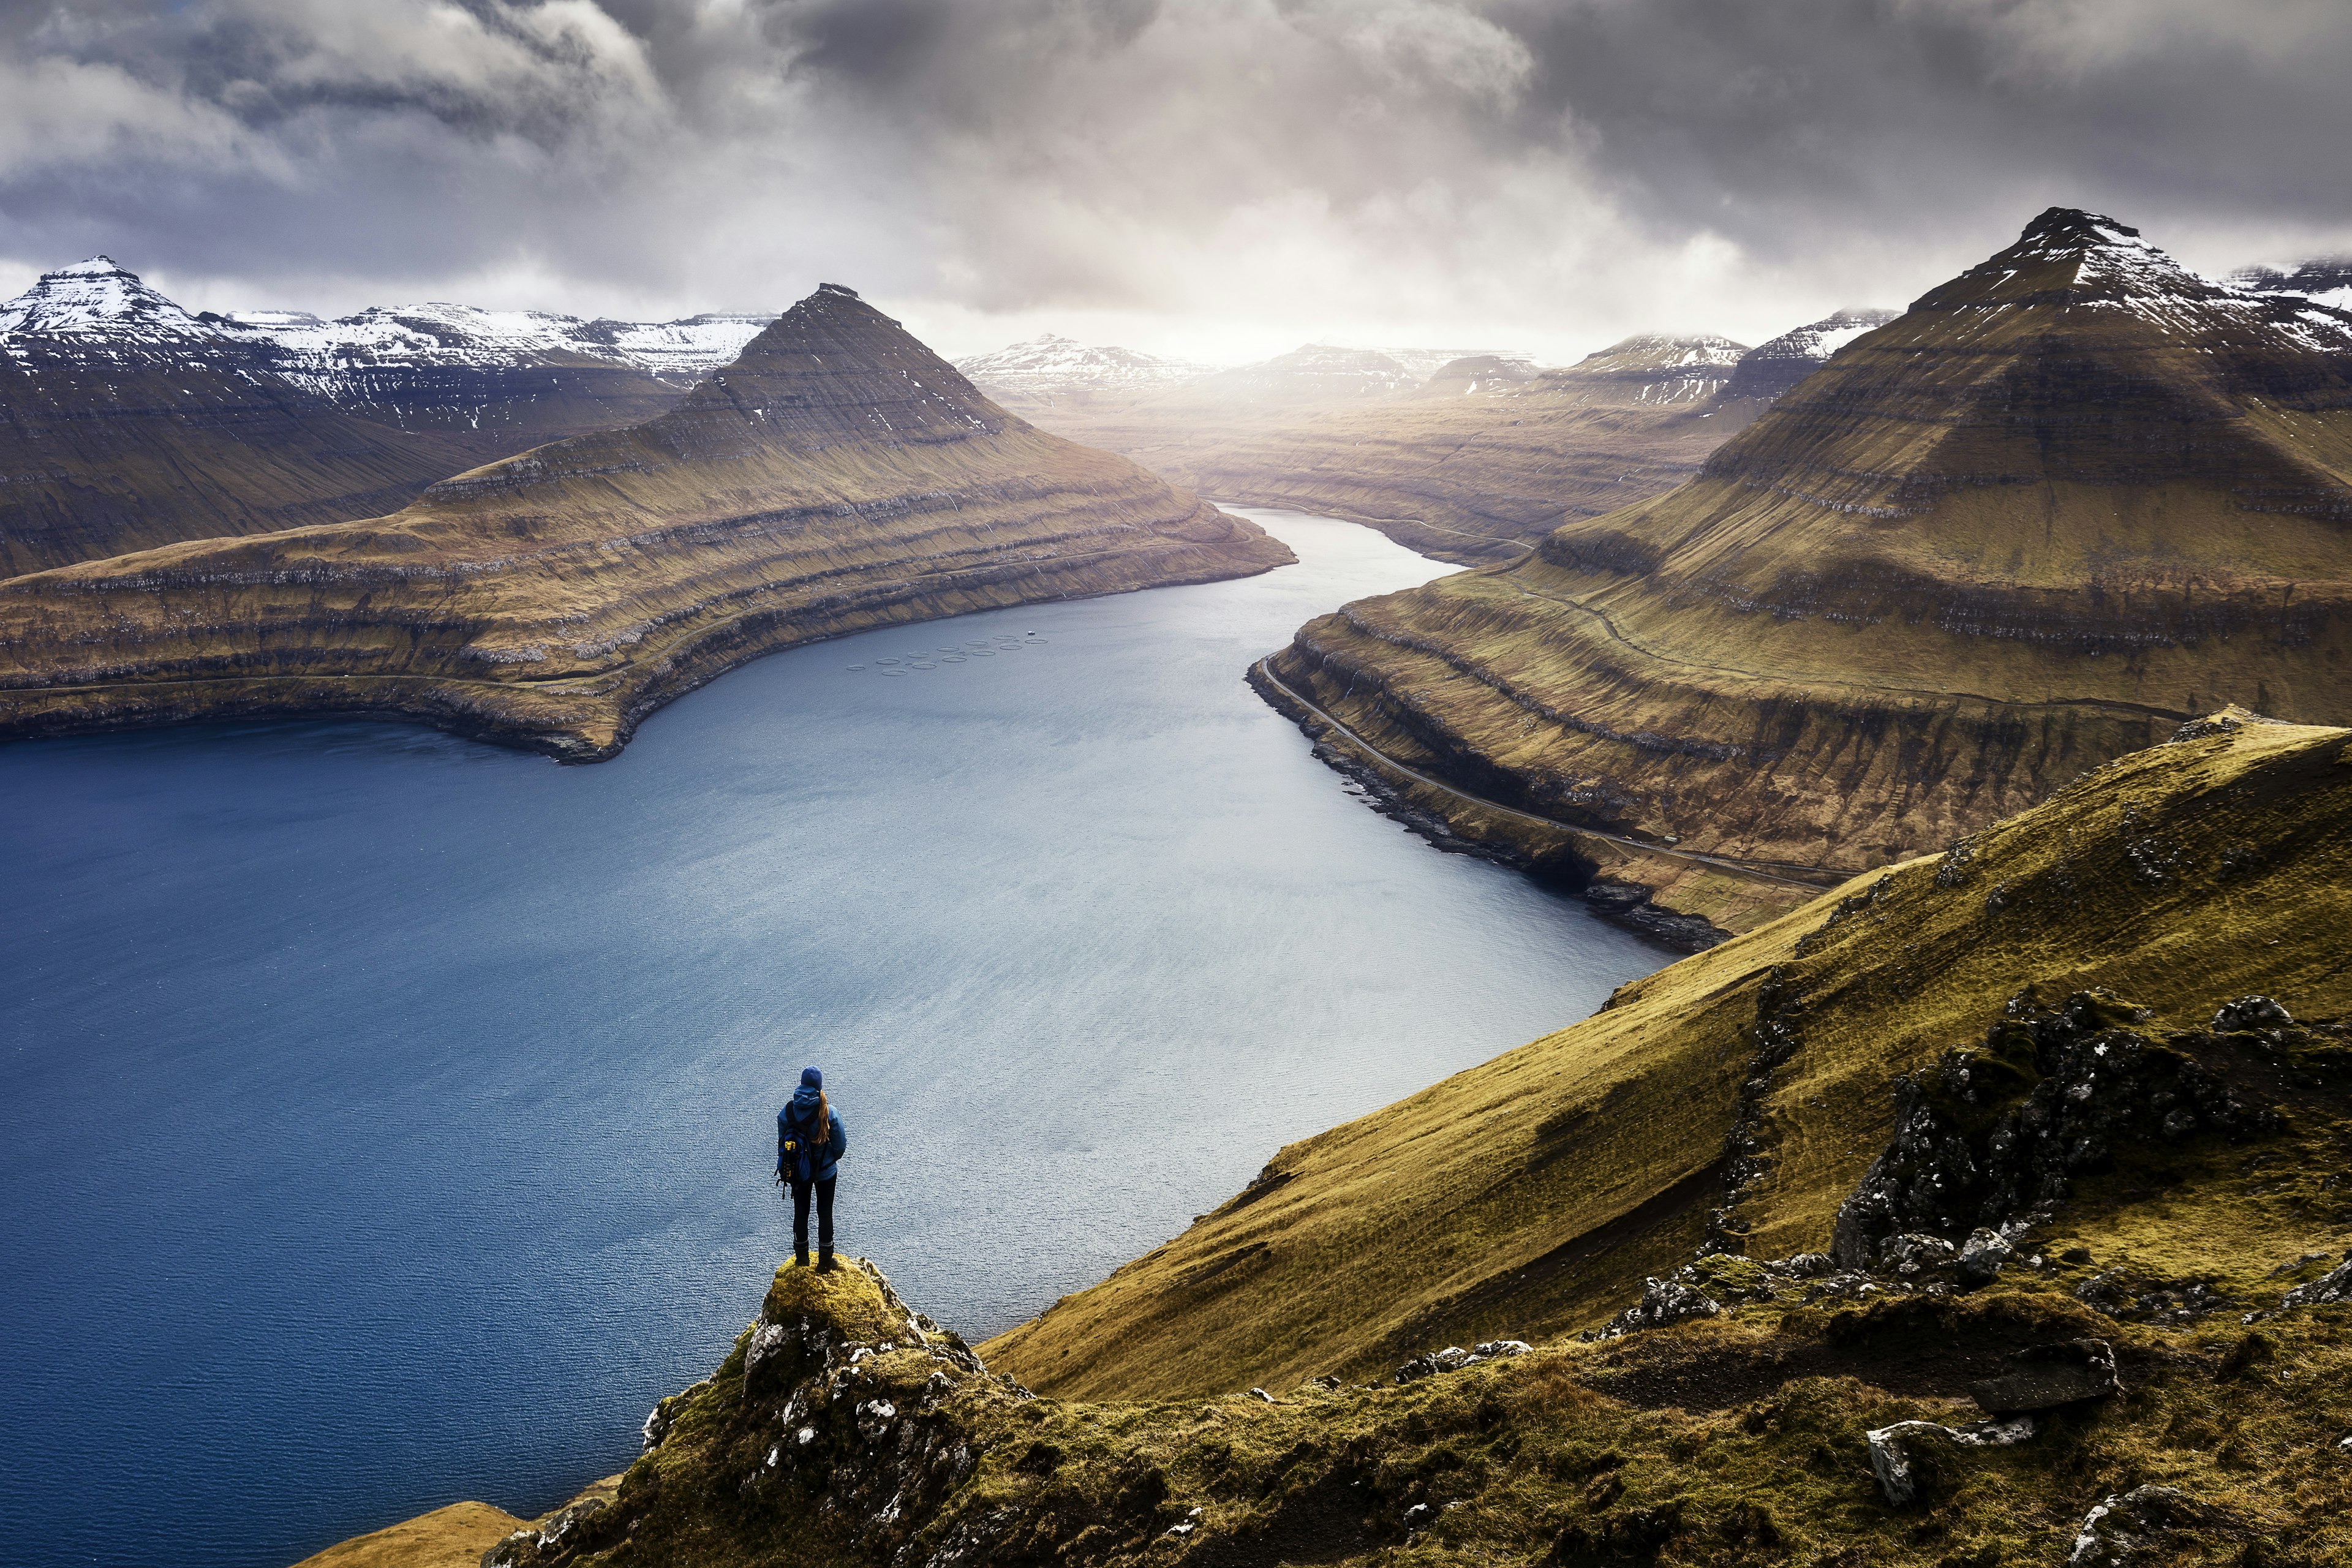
x=825 y=1264
x=799 y=1258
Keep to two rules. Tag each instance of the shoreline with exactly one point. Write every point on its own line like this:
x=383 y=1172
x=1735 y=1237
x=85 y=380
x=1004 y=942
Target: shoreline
x=1679 y=904
x=496 y=713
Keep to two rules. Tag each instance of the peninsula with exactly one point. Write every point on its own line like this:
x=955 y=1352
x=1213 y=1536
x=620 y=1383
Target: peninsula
x=836 y=476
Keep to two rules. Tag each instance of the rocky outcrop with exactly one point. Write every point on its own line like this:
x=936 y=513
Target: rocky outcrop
x=1998 y=1134
x=2072 y=497
x=837 y=476
x=2150 y=1525
x=1898 y=1453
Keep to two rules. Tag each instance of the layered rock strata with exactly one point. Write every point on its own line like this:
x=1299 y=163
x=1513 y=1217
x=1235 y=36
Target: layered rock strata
x=2070 y=499
x=837 y=476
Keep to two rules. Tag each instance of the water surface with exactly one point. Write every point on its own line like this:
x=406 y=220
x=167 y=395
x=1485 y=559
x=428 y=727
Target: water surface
x=387 y=1120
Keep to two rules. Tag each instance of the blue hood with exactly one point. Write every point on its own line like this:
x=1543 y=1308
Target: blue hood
x=804 y=1101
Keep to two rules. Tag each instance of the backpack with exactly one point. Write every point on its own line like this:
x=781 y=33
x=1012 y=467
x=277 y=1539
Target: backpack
x=800 y=1150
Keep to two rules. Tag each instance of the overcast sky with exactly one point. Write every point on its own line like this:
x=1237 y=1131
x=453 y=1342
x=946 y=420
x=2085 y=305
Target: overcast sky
x=1216 y=178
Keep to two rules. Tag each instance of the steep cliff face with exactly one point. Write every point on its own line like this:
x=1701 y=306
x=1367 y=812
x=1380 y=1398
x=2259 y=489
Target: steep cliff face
x=836 y=476
x=127 y=423
x=2089 y=1301
x=2070 y=499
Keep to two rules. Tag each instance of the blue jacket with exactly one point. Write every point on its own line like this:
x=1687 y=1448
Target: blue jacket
x=798 y=1121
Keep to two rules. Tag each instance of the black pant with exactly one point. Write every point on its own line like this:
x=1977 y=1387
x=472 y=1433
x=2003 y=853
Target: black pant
x=824 y=1215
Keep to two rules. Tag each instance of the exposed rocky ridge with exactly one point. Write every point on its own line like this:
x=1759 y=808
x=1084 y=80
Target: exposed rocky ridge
x=127 y=422
x=845 y=1428
x=1923 y=1403
x=836 y=476
x=2070 y=498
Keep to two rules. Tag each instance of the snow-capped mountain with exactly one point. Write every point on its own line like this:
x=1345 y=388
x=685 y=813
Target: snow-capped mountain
x=1649 y=370
x=127 y=421
x=98 y=299
x=1054 y=370
x=2325 y=281
x=439 y=333
x=99 y=304
x=1422 y=364
x=1772 y=367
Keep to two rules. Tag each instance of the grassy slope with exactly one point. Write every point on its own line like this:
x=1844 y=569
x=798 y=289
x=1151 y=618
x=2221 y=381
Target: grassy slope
x=845 y=1429
x=838 y=475
x=1533 y=1193
x=2027 y=527
x=1469 y=478
x=451 y=1537
x=1732 y=1441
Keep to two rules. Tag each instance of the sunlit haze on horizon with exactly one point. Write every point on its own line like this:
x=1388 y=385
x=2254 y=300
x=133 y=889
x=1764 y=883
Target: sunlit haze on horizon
x=1217 y=180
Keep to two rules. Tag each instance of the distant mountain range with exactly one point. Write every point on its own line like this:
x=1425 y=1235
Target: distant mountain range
x=128 y=422
x=2324 y=281
x=1468 y=455
x=1048 y=372
x=104 y=306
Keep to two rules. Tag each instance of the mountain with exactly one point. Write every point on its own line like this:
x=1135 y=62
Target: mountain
x=2071 y=498
x=2325 y=281
x=1771 y=369
x=499 y=379
x=1051 y=372
x=126 y=422
x=1989 y=1211
x=836 y=476
x=1472 y=461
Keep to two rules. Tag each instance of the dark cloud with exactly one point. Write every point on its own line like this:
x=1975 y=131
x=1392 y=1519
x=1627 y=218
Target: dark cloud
x=1503 y=171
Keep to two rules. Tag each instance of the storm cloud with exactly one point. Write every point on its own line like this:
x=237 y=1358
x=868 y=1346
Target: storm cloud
x=1223 y=176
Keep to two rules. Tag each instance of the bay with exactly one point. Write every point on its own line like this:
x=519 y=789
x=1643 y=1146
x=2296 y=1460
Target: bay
x=389 y=1118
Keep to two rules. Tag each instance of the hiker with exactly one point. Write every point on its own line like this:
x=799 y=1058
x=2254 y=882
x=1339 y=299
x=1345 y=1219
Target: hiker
x=809 y=1143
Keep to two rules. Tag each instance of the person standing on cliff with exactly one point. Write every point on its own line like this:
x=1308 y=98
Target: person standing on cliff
x=809 y=1146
